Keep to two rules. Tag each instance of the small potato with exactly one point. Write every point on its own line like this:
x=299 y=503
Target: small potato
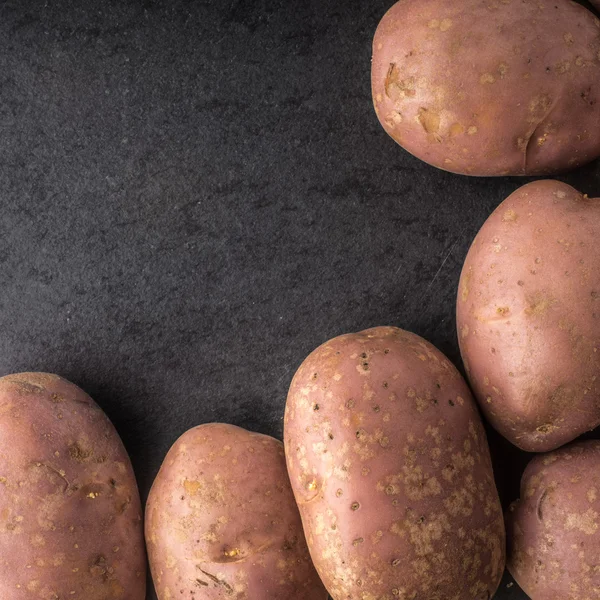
x=390 y=467
x=221 y=521
x=554 y=529
x=528 y=316
x=490 y=88
x=70 y=514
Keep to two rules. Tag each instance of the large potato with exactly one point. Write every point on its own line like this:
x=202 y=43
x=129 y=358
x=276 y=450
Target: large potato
x=553 y=531
x=528 y=314
x=221 y=521
x=391 y=470
x=490 y=87
x=70 y=515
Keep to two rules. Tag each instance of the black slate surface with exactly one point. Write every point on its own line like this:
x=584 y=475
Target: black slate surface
x=196 y=194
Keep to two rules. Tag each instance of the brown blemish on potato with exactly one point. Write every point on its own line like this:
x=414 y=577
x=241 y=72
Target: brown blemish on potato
x=487 y=79
x=76 y=452
x=394 y=119
x=216 y=580
x=443 y=25
x=395 y=87
x=456 y=129
x=585 y=522
x=231 y=553
x=191 y=487
x=465 y=284
x=538 y=305
x=429 y=120
x=546 y=428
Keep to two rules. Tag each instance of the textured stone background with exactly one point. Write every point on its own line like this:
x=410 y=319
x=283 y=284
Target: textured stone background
x=196 y=194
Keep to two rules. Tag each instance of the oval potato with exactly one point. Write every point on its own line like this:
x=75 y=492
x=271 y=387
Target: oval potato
x=490 y=88
x=554 y=529
x=528 y=316
x=70 y=514
x=390 y=467
x=221 y=521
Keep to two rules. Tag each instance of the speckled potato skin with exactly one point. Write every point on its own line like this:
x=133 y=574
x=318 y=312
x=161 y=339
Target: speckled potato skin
x=70 y=514
x=528 y=316
x=553 y=530
x=490 y=87
x=391 y=471
x=221 y=521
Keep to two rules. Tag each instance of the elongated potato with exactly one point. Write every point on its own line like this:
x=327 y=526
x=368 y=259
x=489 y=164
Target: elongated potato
x=528 y=316
x=554 y=529
x=391 y=471
x=70 y=514
x=498 y=87
x=221 y=521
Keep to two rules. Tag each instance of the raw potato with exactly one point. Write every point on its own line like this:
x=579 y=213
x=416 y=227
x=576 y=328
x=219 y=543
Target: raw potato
x=553 y=531
x=528 y=316
x=391 y=470
x=221 y=521
x=502 y=87
x=70 y=514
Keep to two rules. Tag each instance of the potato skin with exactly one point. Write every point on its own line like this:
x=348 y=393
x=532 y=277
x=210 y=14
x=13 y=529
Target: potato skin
x=70 y=514
x=526 y=104
x=528 y=316
x=391 y=471
x=553 y=530
x=221 y=521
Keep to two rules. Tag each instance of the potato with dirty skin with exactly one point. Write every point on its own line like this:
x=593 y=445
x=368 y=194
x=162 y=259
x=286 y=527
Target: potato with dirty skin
x=495 y=87
x=70 y=513
x=390 y=467
x=221 y=521
x=528 y=316
x=554 y=529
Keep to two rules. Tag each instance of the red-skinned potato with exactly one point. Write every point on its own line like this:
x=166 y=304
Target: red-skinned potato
x=508 y=87
x=553 y=530
x=528 y=316
x=70 y=514
x=390 y=467
x=221 y=521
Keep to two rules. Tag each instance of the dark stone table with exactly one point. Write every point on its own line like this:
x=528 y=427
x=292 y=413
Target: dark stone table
x=196 y=194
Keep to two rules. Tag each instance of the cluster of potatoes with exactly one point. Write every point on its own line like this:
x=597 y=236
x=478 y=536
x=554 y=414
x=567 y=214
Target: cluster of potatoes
x=383 y=488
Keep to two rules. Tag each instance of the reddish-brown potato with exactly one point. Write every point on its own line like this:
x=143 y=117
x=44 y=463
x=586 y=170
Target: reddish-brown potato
x=528 y=316
x=490 y=87
x=221 y=521
x=70 y=514
x=554 y=529
x=391 y=471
